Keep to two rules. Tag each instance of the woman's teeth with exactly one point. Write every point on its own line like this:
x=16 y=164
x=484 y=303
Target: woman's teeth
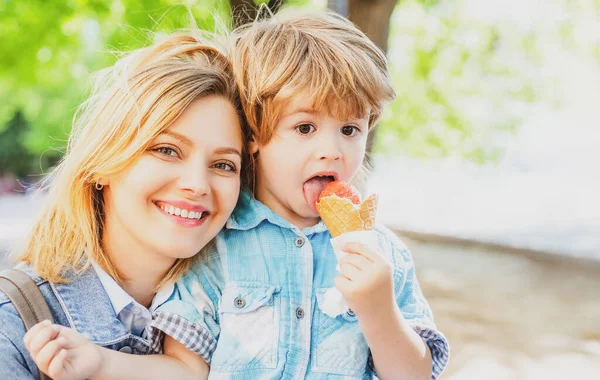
x=182 y=213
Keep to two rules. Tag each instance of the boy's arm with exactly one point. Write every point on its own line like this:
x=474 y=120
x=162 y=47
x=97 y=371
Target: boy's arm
x=187 y=317
x=64 y=354
x=177 y=362
x=366 y=281
x=395 y=346
x=414 y=309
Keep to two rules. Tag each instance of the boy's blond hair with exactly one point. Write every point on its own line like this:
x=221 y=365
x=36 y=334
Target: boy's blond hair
x=321 y=55
x=131 y=103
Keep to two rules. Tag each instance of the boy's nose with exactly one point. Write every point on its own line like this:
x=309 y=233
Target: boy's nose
x=329 y=148
x=333 y=155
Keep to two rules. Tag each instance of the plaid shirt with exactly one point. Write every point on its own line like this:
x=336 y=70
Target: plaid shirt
x=251 y=308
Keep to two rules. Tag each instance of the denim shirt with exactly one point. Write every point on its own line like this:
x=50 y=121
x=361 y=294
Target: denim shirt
x=82 y=304
x=252 y=307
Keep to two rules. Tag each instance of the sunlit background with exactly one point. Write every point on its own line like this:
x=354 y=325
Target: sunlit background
x=486 y=163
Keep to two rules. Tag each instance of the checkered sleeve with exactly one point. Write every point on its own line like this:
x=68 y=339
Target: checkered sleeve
x=438 y=346
x=196 y=337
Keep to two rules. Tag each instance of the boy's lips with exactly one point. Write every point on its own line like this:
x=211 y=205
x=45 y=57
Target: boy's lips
x=330 y=173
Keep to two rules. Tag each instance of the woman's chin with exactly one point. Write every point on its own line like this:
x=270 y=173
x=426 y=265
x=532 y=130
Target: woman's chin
x=181 y=252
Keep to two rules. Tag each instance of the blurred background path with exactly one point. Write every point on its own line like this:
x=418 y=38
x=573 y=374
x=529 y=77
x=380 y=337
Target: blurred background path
x=511 y=315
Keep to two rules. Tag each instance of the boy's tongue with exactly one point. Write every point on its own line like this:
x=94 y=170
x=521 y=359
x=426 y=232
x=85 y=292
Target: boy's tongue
x=312 y=189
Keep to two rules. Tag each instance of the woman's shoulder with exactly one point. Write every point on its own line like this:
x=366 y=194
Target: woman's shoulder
x=10 y=321
x=15 y=362
x=80 y=302
x=12 y=331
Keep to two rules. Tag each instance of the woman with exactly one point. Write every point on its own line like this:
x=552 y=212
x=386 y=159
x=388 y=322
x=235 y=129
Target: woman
x=151 y=175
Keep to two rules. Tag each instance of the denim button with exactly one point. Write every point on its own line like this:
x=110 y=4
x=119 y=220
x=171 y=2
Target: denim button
x=299 y=242
x=299 y=313
x=349 y=316
x=126 y=350
x=239 y=302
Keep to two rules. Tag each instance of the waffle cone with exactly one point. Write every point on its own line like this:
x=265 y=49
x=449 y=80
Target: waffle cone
x=340 y=215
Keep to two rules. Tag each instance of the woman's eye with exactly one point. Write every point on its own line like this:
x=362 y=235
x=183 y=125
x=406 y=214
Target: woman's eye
x=349 y=130
x=225 y=166
x=166 y=151
x=305 y=129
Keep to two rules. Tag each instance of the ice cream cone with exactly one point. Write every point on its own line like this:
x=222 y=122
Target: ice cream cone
x=340 y=215
x=368 y=212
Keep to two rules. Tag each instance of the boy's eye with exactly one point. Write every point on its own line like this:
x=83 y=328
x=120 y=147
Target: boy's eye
x=349 y=130
x=305 y=129
x=166 y=151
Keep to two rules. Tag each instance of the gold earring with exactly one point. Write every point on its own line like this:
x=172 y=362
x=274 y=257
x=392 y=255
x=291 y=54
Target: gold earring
x=99 y=186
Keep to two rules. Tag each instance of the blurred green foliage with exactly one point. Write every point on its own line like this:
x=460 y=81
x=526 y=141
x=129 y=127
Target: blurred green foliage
x=50 y=48
x=467 y=74
x=14 y=157
x=456 y=91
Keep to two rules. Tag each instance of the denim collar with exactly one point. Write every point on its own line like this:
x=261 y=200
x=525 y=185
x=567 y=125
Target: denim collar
x=250 y=212
x=88 y=308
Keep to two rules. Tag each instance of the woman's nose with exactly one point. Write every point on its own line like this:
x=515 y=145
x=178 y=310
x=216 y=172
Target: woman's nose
x=195 y=182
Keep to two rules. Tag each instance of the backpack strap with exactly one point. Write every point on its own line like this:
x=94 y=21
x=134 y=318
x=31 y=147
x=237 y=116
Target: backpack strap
x=26 y=298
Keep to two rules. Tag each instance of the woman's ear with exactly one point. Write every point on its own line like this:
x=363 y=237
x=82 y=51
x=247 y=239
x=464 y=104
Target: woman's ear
x=102 y=182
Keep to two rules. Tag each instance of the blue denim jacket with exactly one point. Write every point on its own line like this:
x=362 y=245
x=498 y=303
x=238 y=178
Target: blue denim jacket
x=81 y=304
x=252 y=308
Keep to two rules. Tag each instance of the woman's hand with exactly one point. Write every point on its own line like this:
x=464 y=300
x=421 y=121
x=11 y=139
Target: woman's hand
x=366 y=280
x=62 y=353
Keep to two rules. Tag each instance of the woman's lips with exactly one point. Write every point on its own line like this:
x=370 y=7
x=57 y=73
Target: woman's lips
x=184 y=221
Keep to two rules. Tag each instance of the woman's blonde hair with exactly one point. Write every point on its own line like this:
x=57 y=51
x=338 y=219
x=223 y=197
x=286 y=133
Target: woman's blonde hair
x=320 y=54
x=131 y=103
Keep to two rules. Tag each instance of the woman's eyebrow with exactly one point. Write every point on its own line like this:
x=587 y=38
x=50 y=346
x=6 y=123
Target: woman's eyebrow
x=179 y=137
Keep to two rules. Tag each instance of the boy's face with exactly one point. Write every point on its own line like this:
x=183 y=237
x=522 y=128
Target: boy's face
x=309 y=149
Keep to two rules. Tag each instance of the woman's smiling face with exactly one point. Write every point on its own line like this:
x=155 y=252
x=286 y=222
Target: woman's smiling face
x=178 y=195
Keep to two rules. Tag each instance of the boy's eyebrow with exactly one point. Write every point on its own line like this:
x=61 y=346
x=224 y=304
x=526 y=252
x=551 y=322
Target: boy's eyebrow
x=306 y=110
x=179 y=137
x=301 y=110
x=312 y=111
x=228 y=150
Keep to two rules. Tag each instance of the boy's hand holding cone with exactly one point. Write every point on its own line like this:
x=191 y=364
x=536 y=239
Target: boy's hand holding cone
x=365 y=280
